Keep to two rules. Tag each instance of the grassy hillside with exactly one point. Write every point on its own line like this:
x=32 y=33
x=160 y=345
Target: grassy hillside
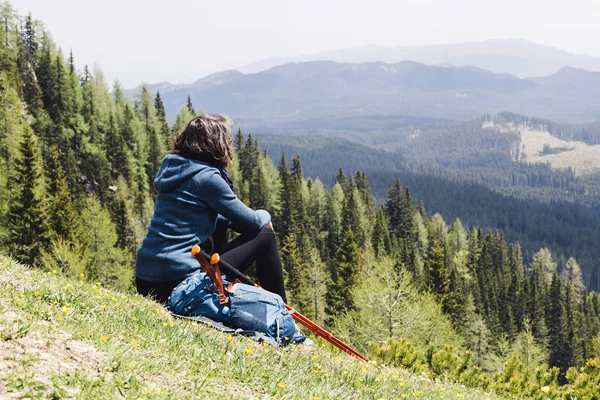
x=64 y=338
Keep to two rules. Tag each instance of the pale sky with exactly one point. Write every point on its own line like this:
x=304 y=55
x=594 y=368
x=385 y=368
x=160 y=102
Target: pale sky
x=180 y=41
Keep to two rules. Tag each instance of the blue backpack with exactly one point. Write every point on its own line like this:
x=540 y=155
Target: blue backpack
x=249 y=308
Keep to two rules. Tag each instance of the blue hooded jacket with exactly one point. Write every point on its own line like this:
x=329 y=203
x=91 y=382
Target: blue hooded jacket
x=191 y=196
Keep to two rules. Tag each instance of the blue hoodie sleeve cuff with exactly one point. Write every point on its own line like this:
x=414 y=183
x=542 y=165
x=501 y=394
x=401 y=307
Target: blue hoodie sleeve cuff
x=264 y=216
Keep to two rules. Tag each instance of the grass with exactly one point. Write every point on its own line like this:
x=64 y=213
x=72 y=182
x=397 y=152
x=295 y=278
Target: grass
x=62 y=338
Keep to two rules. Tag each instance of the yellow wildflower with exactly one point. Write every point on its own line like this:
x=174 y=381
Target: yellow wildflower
x=345 y=373
x=265 y=344
x=36 y=293
x=401 y=384
x=134 y=342
x=230 y=338
x=134 y=319
x=416 y=394
x=104 y=338
x=59 y=318
x=316 y=398
x=69 y=286
x=248 y=351
x=281 y=385
x=171 y=324
x=66 y=309
x=81 y=275
x=54 y=271
x=165 y=324
x=315 y=357
x=461 y=396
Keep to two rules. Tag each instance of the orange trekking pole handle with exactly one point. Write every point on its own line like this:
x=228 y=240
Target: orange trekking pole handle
x=202 y=258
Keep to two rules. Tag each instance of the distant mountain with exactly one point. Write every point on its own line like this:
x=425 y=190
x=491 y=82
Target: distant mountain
x=320 y=89
x=517 y=57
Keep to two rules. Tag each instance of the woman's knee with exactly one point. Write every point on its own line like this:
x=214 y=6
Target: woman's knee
x=267 y=236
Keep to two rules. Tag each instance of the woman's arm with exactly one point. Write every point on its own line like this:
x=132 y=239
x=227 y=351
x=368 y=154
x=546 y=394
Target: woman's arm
x=219 y=196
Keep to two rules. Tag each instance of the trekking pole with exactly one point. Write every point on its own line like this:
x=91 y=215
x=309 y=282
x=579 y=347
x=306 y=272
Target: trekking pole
x=202 y=256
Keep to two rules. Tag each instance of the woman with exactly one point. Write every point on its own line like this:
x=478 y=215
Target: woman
x=195 y=194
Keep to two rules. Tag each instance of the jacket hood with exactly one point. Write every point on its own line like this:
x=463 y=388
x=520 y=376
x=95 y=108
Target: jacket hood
x=175 y=170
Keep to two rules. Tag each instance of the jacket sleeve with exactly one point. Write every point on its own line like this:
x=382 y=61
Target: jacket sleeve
x=219 y=196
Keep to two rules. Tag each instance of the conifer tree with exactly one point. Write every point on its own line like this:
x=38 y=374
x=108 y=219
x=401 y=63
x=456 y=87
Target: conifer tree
x=117 y=152
x=381 y=236
x=161 y=115
x=362 y=184
x=62 y=214
x=107 y=263
x=333 y=221
x=28 y=230
x=572 y=274
x=561 y=351
x=341 y=179
x=238 y=142
x=399 y=211
x=190 y=107
x=437 y=273
x=285 y=219
x=27 y=63
x=258 y=189
x=123 y=220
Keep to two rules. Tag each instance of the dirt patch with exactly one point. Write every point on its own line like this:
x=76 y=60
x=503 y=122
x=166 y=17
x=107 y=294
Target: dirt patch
x=36 y=360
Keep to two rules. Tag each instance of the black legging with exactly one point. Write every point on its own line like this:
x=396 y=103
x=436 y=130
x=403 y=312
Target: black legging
x=241 y=252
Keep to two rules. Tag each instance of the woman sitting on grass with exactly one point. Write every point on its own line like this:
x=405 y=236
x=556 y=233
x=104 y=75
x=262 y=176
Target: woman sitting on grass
x=195 y=198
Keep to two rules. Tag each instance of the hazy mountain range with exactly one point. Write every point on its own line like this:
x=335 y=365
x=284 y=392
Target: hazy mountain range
x=517 y=57
x=308 y=90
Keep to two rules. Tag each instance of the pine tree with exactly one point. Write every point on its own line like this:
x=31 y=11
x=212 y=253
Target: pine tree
x=258 y=191
x=62 y=214
x=295 y=272
x=189 y=106
x=317 y=282
x=161 y=115
x=561 y=351
x=121 y=217
x=27 y=63
x=572 y=274
x=399 y=211
x=117 y=152
x=238 y=141
x=107 y=263
x=381 y=236
x=437 y=273
x=155 y=144
x=28 y=232
x=341 y=179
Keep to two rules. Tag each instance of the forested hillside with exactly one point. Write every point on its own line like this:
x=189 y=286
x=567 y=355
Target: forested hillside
x=453 y=302
x=567 y=228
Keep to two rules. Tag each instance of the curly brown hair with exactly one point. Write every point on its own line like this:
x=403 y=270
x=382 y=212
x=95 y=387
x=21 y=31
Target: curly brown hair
x=206 y=138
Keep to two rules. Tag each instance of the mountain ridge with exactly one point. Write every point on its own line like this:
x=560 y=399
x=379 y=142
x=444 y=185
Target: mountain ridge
x=518 y=56
x=304 y=90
